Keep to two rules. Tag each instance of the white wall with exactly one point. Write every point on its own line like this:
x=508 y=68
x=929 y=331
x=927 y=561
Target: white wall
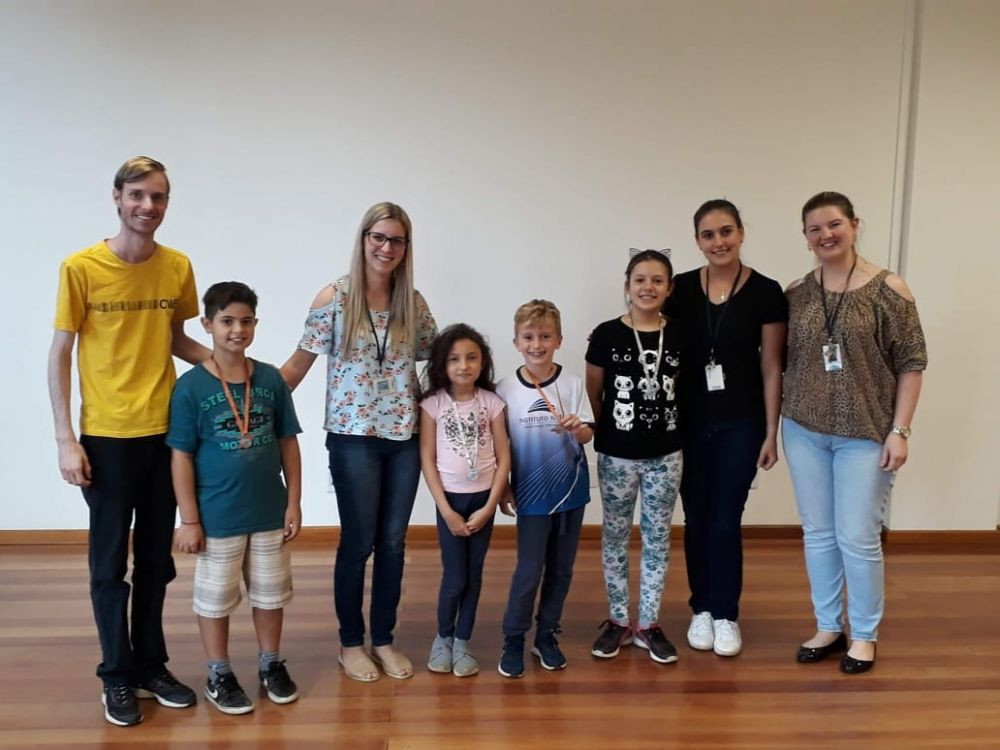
x=531 y=142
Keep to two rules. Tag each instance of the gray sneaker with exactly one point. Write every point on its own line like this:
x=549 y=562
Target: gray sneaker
x=440 y=659
x=463 y=663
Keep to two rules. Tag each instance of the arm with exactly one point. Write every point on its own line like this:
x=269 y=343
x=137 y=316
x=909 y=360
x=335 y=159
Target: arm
x=428 y=463
x=595 y=389
x=185 y=347
x=291 y=467
x=501 y=449
x=895 y=449
x=189 y=537
x=296 y=367
x=772 y=348
x=73 y=462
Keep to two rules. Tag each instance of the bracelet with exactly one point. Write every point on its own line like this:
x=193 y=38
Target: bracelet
x=190 y=523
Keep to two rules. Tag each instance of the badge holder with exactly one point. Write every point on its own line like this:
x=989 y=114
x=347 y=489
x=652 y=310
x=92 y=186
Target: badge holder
x=833 y=359
x=715 y=378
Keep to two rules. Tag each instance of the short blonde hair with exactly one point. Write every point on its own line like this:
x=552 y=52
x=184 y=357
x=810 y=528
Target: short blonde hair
x=138 y=167
x=535 y=312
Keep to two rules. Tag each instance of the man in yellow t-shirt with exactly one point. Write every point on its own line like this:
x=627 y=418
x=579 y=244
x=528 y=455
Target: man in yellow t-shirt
x=126 y=299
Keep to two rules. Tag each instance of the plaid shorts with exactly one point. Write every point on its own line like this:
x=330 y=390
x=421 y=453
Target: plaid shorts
x=262 y=558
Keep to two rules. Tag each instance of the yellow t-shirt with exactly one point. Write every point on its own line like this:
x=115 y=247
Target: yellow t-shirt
x=122 y=313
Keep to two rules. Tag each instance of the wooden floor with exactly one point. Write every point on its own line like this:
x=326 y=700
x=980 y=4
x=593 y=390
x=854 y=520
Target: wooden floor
x=936 y=684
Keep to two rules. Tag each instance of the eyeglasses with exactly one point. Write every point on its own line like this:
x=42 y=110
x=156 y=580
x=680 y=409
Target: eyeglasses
x=378 y=239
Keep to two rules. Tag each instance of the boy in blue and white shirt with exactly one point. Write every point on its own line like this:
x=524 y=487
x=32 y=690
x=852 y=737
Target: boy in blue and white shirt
x=548 y=419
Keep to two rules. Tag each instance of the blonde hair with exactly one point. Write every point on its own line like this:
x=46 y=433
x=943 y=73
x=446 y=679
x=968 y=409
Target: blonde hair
x=535 y=312
x=403 y=298
x=138 y=167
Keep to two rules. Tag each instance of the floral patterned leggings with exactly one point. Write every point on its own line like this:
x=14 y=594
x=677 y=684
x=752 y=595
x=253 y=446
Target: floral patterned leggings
x=621 y=480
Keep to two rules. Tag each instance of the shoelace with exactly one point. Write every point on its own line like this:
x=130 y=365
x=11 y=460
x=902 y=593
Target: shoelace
x=726 y=629
x=120 y=693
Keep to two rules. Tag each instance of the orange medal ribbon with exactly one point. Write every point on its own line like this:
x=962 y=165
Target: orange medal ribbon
x=243 y=425
x=548 y=404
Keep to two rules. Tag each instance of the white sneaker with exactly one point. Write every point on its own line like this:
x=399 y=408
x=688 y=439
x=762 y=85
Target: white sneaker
x=727 y=638
x=701 y=632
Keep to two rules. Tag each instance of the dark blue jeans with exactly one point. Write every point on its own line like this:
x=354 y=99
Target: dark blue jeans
x=376 y=481
x=130 y=479
x=546 y=551
x=720 y=461
x=462 y=559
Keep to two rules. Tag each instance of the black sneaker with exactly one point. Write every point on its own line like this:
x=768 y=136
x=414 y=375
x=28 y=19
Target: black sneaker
x=277 y=683
x=546 y=648
x=609 y=643
x=120 y=706
x=168 y=691
x=224 y=692
x=660 y=648
x=512 y=656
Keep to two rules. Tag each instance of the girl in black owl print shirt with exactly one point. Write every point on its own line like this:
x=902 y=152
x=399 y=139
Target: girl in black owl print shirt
x=632 y=367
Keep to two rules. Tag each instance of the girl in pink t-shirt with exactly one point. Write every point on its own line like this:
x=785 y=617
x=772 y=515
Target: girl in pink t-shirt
x=466 y=461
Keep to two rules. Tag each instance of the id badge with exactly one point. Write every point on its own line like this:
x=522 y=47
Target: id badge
x=714 y=377
x=384 y=386
x=833 y=359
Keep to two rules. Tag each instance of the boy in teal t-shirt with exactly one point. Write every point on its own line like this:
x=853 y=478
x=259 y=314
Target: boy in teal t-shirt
x=233 y=434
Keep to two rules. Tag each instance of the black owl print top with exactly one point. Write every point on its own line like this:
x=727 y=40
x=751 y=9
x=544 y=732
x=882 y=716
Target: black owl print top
x=639 y=414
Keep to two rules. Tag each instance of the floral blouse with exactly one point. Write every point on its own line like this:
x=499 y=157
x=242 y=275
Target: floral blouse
x=352 y=407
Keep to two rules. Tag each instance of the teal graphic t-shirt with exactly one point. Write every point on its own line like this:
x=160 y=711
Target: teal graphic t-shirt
x=240 y=490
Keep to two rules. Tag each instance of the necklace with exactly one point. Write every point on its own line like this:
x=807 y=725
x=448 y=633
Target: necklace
x=648 y=383
x=468 y=437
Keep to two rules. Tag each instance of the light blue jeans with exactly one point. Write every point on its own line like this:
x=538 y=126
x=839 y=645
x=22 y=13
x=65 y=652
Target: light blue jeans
x=841 y=494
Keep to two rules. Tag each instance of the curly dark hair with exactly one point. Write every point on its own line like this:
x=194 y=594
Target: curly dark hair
x=437 y=364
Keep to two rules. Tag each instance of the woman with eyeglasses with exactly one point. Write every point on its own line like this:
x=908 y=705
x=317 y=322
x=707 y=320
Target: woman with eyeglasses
x=373 y=326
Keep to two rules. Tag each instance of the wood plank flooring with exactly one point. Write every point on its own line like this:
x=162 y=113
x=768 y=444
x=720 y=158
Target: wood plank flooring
x=936 y=684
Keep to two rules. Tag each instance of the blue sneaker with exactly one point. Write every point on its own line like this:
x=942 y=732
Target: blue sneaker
x=512 y=656
x=546 y=648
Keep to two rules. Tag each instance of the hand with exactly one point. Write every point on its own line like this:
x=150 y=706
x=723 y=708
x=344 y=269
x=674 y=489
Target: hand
x=894 y=452
x=293 y=522
x=189 y=538
x=478 y=520
x=570 y=423
x=508 y=504
x=768 y=456
x=73 y=463
x=456 y=524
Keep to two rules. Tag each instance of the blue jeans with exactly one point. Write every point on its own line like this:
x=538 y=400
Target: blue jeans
x=376 y=482
x=720 y=462
x=462 y=560
x=841 y=494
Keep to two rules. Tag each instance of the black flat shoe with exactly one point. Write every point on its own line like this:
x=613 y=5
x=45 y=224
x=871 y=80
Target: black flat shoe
x=807 y=655
x=850 y=665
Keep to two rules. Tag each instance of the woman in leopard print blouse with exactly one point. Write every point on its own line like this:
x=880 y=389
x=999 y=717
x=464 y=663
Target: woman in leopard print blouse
x=856 y=356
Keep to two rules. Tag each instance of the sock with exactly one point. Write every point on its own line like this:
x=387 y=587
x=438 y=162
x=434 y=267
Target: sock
x=218 y=667
x=265 y=659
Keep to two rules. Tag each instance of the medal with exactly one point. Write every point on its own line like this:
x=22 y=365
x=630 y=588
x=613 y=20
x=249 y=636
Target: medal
x=548 y=404
x=649 y=384
x=243 y=425
x=468 y=439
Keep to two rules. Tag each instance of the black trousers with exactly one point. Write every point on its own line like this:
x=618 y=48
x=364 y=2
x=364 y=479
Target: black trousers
x=462 y=560
x=720 y=461
x=546 y=551
x=130 y=479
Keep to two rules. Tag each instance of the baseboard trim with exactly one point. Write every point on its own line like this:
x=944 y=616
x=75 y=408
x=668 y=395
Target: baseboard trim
x=952 y=540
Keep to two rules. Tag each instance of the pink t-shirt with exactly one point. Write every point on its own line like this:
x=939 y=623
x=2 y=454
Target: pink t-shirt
x=465 y=440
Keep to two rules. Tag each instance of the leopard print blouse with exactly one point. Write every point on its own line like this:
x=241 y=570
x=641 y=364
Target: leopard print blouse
x=880 y=337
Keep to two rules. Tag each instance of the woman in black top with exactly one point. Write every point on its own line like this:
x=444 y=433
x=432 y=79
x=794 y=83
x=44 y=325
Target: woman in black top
x=734 y=325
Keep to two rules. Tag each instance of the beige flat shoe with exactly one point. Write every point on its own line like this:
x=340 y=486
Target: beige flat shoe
x=358 y=666
x=393 y=663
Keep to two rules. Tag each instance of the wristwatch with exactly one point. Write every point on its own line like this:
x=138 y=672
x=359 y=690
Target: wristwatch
x=903 y=431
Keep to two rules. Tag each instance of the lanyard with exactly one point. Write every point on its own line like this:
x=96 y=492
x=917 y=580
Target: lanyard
x=649 y=370
x=380 y=350
x=548 y=404
x=242 y=425
x=831 y=320
x=713 y=335
x=470 y=448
